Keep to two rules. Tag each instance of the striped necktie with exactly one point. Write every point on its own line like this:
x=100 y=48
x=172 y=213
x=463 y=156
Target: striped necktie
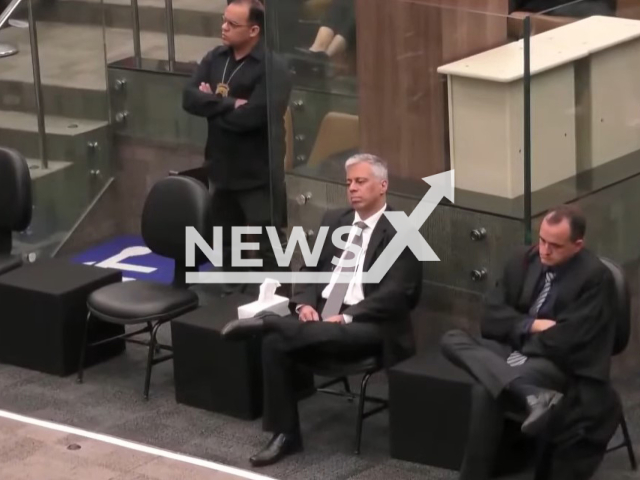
x=516 y=358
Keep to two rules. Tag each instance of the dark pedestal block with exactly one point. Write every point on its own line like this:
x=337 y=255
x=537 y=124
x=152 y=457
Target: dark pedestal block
x=429 y=416
x=42 y=316
x=216 y=374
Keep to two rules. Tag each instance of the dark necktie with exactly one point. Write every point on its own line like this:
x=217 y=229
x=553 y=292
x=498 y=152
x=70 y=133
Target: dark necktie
x=544 y=293
x=516 y=358
x=339 y=289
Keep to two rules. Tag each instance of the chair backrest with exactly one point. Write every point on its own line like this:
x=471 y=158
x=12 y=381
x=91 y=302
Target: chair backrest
x=339 y=132
x=622 y=307
x=174 y=203
x=15 y=196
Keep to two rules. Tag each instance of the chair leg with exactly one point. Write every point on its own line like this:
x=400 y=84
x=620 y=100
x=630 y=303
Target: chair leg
x=83 y=349
x=627 y=442
x=347 y=387
x=360 y=417
x=150 y=356
x=543 y=460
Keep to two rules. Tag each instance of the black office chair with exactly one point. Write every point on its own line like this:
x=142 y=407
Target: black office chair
x=15 y=204
x=339 y=369
x=623 y=330
x=173 y=204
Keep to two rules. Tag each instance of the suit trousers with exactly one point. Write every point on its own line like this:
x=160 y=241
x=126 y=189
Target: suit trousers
x=486 y=361
x=290 y=340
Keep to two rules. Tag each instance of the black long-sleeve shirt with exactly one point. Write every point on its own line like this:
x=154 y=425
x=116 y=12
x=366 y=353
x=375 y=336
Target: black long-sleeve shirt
x=239 y=143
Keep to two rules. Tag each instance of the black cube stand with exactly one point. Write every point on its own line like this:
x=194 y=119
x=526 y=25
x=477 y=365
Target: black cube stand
x=429 y=416
x=43 y=307
x=216 y=374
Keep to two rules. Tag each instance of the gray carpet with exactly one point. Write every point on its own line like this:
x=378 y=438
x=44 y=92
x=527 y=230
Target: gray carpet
x=110 y=401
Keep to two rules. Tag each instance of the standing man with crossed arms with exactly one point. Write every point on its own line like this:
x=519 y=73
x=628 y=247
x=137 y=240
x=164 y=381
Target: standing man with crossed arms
x=244 y=155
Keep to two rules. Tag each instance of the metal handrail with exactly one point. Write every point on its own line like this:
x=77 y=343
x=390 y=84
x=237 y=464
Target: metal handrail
x=7 y=50
x=171 y=46
x=37 y=80
x=4 y=16
x=135 y=20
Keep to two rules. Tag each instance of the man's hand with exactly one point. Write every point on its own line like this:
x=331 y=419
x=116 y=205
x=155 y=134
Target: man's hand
x=540 y=325
x=205 y=87
x=335 y=319
x=308 y=314
x=240 y=102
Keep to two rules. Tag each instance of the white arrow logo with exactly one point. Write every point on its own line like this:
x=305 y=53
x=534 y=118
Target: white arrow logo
x=408 y=228
x=407 y=236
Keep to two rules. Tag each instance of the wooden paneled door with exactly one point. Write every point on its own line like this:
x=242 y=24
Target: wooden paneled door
x=402 y=98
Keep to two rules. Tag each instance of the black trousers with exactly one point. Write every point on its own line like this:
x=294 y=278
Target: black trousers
x=486 y=361
x=586 y=419
x=258 y=207
x=341 y=18
x=290 y=340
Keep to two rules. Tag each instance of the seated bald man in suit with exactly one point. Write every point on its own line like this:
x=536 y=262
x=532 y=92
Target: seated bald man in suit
x=547 y=338
x=339 y=319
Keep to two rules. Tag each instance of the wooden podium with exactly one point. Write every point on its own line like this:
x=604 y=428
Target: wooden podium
x=584 y=96
x=486 y=117
x=403 y=108
x=608 y=86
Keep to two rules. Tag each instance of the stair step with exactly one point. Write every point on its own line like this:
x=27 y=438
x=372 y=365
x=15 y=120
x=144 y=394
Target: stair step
x=67 y=138
x=60 y=196
x=54 y=125
x=72 y=56
x=37 y=171
x=190 y=17
x=61 y=101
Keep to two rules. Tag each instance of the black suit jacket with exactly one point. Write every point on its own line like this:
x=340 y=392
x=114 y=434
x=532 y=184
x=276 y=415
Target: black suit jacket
x=581 y=343
x=388 y=303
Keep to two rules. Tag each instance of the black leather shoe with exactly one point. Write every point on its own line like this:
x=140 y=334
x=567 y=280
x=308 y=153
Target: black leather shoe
x=539 y=407
x=245 y=327
x=280 y=445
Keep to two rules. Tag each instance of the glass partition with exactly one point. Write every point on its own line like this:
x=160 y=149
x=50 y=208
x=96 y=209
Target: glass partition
x=427 y=87
x=138 y=31
x=584 y=117
x=54 y=111
x=594 y=141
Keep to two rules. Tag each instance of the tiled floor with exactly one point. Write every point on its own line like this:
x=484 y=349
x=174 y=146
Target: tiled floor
x=33 y=452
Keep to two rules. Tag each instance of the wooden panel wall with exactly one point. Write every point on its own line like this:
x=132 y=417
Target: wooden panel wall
x=402 y=97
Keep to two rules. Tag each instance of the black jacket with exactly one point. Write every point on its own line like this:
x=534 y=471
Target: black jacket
x=581 y=344
x=388 y=303
x=242 y=141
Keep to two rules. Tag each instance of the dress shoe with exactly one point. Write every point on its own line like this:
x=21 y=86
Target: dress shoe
x=539 y=409
x=245 y=327
x=280 y=445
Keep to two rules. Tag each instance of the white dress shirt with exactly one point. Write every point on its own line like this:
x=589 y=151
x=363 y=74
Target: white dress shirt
x=355 y=294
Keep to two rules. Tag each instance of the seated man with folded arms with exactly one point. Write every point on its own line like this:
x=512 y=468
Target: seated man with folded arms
x=547 y=339
x=346 y=319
